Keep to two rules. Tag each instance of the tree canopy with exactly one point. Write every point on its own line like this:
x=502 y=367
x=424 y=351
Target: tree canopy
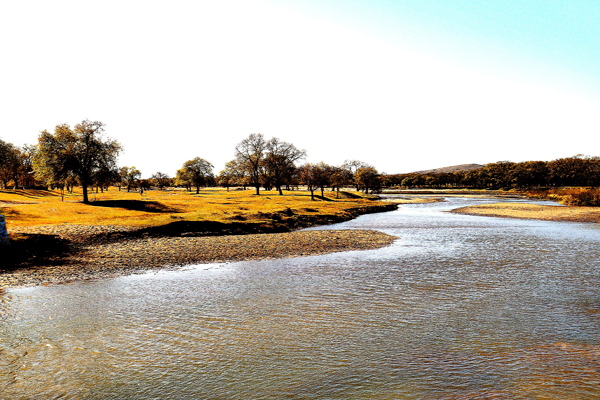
x=198 y=171
x=82 y=151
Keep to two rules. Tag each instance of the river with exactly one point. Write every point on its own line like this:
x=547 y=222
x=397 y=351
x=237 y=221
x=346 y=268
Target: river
x=459 y=307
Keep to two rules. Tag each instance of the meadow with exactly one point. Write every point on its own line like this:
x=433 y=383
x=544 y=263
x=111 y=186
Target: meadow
x=26 y=208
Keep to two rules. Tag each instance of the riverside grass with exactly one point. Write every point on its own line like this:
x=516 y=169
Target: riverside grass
x=24 y=208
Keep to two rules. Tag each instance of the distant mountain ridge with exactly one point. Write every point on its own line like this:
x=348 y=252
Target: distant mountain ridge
x=454 y=168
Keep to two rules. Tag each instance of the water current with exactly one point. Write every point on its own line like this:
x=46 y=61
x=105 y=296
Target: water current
x=459 y=307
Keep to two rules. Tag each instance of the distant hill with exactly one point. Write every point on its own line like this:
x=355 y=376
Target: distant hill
x=454 y=168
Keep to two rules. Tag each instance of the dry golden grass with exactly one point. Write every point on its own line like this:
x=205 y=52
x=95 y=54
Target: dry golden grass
x=154 y=208
x=532 y=211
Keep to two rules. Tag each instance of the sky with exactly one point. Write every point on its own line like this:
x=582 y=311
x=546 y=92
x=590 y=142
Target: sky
x=404 y=85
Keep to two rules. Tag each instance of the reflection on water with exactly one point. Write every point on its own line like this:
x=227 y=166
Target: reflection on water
x=459 y=307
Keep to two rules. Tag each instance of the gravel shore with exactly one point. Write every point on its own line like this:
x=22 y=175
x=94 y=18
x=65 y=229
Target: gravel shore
x=142 y=254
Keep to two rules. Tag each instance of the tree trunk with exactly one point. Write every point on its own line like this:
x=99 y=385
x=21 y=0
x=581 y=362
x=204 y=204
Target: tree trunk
x=85 y=194
x=280 y=191
x=197 y=189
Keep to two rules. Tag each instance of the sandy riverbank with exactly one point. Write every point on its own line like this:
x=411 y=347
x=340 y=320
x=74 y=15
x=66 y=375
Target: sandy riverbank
x=152 y=253
x=533 y=211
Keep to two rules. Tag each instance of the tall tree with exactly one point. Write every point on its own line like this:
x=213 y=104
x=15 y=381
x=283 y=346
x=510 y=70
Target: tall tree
x=279 y=160
x=83 y=150
x=10 y=164
x=199 y=171
x=309 y=175
x=130 y=176
x=250 y=154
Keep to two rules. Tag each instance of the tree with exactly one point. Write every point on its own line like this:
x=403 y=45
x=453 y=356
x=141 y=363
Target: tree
x=199 y=171
x=161 y=179
x=340 y=177
x=130 y=176
x=368 y=178
x=322 y=176
x=10 y=164
x=106 y=176
x=249 y=154
x=183 y=179
x=82 y=151
x=279 y=160
x=309 y=176
x=353 y=166
x=235 y=174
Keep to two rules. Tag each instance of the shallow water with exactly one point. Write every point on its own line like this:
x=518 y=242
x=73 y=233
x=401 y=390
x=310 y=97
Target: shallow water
x=458 y=307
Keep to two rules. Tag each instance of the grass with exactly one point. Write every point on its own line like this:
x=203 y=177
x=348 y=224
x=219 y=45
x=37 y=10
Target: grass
x=157 y=207
x=576 y=196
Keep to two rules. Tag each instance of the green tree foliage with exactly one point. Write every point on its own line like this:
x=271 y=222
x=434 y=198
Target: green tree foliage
x=199 y=172
x=368 y=178
x=10 y=164
x=82 y=151
x=130 y=177
x=571 y=171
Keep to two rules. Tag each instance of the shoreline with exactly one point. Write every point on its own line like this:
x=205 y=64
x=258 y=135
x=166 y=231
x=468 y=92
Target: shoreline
x=65 y=253
x=534 y=212
x=133 y=256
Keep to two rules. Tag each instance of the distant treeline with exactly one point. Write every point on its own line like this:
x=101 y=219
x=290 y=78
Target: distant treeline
x=573 y=171
x=83 y=156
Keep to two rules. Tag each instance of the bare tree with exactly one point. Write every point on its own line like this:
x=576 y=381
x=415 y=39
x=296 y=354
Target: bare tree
x=280 y=159
x=161 y=179
x=250 y=154
x=309 y=176
x=353 y=166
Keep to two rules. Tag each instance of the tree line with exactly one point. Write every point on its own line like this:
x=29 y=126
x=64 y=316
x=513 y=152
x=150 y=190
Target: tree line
x=579 y=170
x=84 y=156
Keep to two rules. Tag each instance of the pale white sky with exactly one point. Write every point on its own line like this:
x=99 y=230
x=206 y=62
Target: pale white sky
x=179 y=79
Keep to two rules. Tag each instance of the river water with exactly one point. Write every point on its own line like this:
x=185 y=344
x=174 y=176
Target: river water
x=459 y=307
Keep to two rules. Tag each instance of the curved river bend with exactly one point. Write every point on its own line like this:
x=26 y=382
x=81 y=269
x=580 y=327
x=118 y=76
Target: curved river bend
x=459 y=307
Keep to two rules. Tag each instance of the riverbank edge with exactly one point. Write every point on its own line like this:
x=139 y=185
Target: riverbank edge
x=46 y=252
x=533 y=212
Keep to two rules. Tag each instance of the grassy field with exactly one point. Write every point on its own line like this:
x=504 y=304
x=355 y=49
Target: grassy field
x=24 y=208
